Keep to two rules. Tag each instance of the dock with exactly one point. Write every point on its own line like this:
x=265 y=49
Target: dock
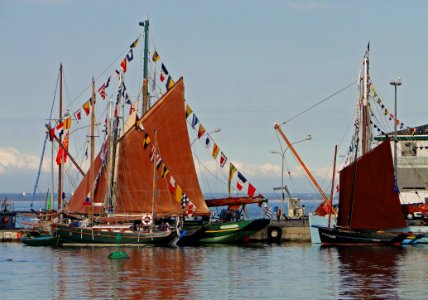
x=295 y=230
x=11 y=235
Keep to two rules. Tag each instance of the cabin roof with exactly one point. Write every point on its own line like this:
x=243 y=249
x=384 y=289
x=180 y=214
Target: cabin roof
x=421 y=133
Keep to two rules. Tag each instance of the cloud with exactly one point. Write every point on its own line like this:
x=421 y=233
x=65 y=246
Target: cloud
x=12 y=160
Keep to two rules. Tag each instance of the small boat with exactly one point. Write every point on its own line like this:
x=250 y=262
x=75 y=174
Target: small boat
x=40 y=240
x=230 y=228
x=232 y=232
x=339 y=236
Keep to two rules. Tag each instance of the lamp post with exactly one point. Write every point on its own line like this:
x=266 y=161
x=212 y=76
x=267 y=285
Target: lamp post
x=282 y=154
x=208 y=133
x=395 y=83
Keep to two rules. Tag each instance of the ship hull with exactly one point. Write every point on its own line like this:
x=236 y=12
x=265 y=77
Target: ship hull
x=334 y=236
x=232 y=232
x=90 y=236
x=39 y=241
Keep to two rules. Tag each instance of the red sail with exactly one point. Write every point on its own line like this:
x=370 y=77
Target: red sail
x=367 y=199
x=77 y=203
x=134 y=188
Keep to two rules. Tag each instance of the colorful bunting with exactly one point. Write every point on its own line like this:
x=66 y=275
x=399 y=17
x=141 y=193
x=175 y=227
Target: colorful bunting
x=67 y=123
x=171 y=185
x=201 y=131
x=216 y=149
x=102 y=91
x=232 y=171
x=188 y=110
x=164 y=70
x=178 y=193
x=165 y=171
x=239 y=185
x=59 y=129
x=123 y=65
x=190 y=208
x=195 y=120
x=184 y=200
x=162 y=77
x=77 y=115
x=86 y=107
x=207 y=142
x=158 y=161
x=152 y=154
x=251 y=190
x=135 y=43
x=155 y=56
x=223 y=159
x=61 y=156
x=146 y=140
x=108 y=82
x=130 y=55
x=169 y=83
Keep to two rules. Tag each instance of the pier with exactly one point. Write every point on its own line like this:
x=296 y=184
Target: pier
x=296 y=230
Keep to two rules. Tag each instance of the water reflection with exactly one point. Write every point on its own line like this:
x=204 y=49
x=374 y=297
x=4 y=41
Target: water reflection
x=150 y=271
x=369 y=272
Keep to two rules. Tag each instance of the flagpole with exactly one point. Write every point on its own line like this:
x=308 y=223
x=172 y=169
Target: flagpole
x=60 y=142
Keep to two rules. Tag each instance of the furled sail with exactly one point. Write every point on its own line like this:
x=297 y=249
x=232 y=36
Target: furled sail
x=136 y=166
x=367 y=199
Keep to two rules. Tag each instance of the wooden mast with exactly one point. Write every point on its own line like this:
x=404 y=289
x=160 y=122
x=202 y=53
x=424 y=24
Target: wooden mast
x=91 y=175
x=145 y=69
x=278 y=128
x=332 y=184
x=60 y=142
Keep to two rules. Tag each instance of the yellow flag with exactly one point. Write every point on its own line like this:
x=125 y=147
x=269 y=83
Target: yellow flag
x=178 y=193
x=134 y=44
x=188 y=110
x=232 y=170
x=216 y=149
x=155 y=56
x=67 y=122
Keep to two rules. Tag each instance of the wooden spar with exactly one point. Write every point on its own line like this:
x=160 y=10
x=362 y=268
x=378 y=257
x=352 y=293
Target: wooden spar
x=278 y=128
x=332 y=183
x=91 y=175
x=69 y=155
x=154 y=180
x=60 y=141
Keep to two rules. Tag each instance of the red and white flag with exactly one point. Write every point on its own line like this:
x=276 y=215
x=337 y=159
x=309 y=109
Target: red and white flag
x=102 y=91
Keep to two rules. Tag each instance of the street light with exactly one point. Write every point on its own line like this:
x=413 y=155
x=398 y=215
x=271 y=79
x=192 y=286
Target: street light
x=282 y=154
x=208 y=133
x=395 y=83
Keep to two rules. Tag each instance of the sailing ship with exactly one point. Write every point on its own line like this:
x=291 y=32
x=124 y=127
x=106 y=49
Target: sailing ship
x=142 y=186
x=368 y=202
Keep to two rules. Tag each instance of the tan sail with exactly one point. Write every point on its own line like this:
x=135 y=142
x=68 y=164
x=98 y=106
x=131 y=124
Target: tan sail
x=135 y=170
x=77 y=203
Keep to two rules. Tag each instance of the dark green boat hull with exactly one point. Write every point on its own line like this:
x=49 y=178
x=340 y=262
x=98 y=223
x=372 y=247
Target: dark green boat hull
x=88 y=236
x=232 y=232
x=39 y=241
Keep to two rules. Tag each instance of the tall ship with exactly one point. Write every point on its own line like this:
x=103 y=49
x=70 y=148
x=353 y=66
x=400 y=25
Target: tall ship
x=141 y=185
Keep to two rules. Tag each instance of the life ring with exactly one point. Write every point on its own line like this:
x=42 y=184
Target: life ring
x=274 y=234
x=147 y=220
x=5 y=220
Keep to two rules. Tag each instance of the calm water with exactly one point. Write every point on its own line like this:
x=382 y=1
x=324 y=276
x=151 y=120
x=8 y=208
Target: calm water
x=287 y=271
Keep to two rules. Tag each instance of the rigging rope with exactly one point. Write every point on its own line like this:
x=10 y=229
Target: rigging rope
x=44 y=145
x=316 y=104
